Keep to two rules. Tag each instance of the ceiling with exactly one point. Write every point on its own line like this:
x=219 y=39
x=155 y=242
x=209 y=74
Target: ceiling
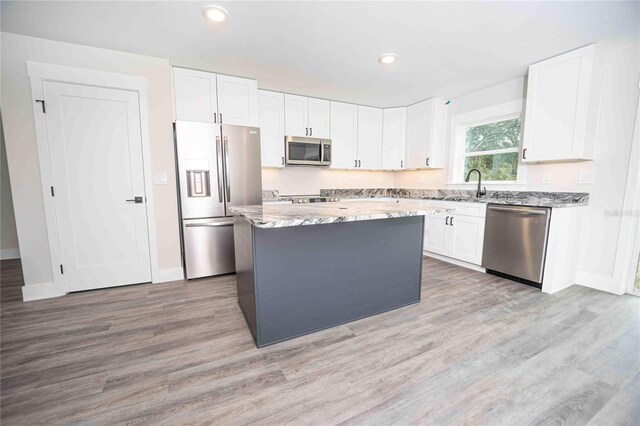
x=330 y=49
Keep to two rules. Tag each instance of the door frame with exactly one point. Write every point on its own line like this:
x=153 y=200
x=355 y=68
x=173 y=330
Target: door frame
x=38 y=73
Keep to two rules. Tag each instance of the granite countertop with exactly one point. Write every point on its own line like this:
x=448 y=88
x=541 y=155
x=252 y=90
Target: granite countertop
x=521 y=198
x=280 y=216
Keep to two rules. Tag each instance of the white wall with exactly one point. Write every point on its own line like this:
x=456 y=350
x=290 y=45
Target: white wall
x=22 y=151
x=8 y=234
x=309 y=180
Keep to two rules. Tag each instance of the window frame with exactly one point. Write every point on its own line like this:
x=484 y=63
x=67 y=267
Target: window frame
x=459 y=125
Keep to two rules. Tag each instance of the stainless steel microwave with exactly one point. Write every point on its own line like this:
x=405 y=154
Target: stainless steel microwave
x=301 y=151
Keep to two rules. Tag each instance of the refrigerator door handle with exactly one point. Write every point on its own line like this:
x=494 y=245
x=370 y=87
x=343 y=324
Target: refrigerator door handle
x=226 y=168
x=219 y=167
x=209 y=224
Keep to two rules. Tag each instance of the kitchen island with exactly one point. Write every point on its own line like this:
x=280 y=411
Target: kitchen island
x=304 y=268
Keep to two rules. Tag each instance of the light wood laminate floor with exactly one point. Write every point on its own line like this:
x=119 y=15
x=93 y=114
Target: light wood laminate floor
x=478 y=350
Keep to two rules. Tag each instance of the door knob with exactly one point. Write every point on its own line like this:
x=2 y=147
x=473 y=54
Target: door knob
x=137 y=200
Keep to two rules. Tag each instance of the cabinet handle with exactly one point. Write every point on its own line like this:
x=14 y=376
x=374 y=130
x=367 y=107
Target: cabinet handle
x=283 y=161
x=215 y=117
x=306 y=131
x=310 y=131
x=359 y=163
x=355 y=163
x=427 y=161
x=220 y=118
x=451 y=222
x=446 y=221
x=524 y=154
x=401 y=164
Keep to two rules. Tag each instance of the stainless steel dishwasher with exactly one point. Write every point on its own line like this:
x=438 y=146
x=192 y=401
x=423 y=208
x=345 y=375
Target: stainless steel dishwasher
x=515 y=242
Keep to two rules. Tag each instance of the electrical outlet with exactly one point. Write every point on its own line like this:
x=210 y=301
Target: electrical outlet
x=586 y=177
x=546 y=178
x=160 y=178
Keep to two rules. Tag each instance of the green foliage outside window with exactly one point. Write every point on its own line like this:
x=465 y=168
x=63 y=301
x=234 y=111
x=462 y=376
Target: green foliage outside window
x=501 y=135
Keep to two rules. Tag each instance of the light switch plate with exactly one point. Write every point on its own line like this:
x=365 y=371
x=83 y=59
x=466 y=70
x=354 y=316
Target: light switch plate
x=160 y=178
x=546 y=178
x=586 y=177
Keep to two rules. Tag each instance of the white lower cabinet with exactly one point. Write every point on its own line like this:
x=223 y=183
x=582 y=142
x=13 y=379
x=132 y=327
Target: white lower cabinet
x=436 y=233
x=455 y=235
x=466 y=237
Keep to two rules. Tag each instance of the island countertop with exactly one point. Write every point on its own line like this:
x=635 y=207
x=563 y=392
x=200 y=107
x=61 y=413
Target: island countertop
x=280 y=216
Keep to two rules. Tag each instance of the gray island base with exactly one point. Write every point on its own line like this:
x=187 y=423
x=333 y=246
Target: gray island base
x=297 y=279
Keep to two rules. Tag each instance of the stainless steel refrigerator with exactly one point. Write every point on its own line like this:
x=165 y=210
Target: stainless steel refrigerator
x=219 y=167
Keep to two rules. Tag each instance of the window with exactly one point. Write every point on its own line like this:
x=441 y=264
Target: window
x=487 y=139
x=493 y=149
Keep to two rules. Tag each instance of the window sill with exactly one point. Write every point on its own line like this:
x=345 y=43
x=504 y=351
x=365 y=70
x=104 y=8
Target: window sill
x=489 y=185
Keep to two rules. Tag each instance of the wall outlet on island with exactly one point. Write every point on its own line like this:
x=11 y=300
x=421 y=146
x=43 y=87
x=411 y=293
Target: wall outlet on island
x=586 y=177
x=546 y=178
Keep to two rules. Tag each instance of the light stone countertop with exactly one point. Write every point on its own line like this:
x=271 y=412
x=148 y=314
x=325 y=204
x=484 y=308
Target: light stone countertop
x=280 y=216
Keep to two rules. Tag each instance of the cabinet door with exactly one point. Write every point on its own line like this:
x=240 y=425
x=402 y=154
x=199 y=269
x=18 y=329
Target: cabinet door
x=394 y=136
x=319 y=118
x=237 y=100
x=466 y=238
x=369 y=152
x=417 y=134
x=437 y=133
x=271 y=121
x=296 y=115
x=195 y=93
x=436 y=233
x=344 y=135
x=559 y=94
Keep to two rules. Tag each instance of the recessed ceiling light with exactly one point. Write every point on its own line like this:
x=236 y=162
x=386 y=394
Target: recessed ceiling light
x=387 y=58
x=215 y=13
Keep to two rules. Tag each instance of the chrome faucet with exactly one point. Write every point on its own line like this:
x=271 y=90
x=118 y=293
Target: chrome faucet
x=479 y=192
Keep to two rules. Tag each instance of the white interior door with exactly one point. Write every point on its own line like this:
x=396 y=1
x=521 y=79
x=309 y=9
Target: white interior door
x=96 y=166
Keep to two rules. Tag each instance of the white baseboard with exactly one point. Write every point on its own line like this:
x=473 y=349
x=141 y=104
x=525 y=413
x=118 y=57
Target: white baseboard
x=169 y=274
x=599 y=282
x=40 y=291
x=455 y=261
x=9 y=253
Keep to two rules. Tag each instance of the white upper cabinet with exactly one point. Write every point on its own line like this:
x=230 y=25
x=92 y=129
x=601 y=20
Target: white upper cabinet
x=344 y=135
x=296 y=110
x=426 y=134
x=369 y=151
x=271 y=122
x=319 y=118
x=195 y=93
x=562 y=107
x=394 y=137
x=307 y=116
x=209 y=98
x=237 y=100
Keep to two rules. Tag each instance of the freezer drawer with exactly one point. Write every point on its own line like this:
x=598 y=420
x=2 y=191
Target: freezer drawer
x=515 y=240
x=208 y=247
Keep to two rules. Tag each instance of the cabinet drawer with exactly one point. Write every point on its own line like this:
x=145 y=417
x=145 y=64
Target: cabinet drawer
x=468 y=209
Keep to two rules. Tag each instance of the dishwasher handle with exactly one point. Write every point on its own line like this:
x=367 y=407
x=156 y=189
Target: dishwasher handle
x=518 y=210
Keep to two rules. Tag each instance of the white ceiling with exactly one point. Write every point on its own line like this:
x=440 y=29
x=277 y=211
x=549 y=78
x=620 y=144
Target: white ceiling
x=330 y=49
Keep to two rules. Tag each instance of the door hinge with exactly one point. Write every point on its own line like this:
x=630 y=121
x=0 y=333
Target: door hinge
x=44 y=109
x=53 y=194
x=61 y=270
